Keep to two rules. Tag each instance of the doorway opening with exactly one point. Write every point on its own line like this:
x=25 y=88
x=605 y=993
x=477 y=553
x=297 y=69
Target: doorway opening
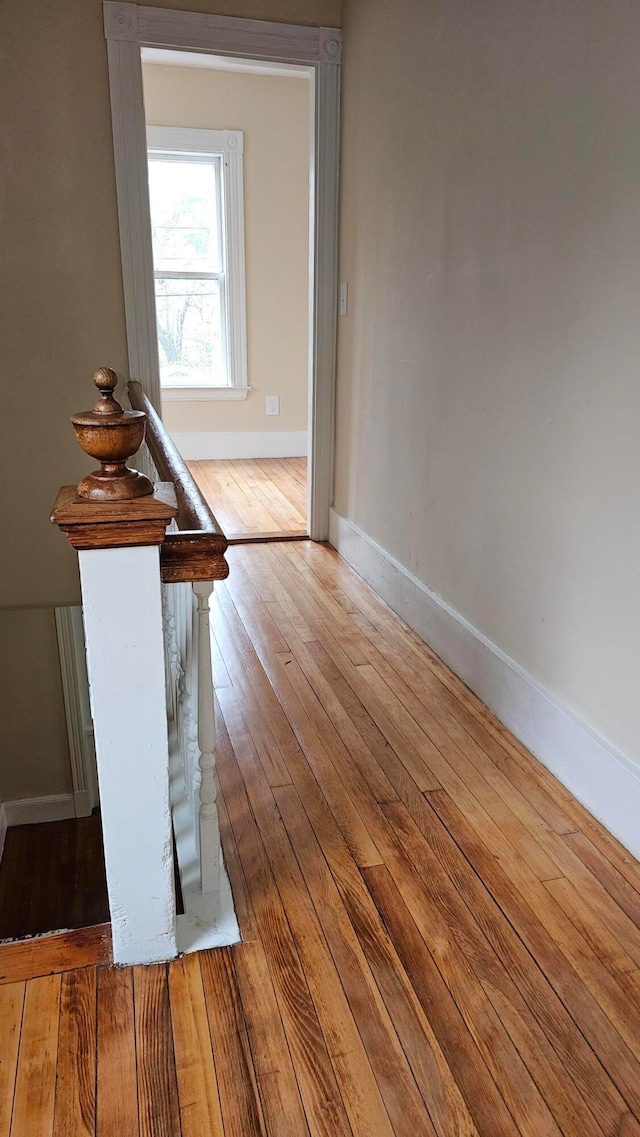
x=314 y=55
x=228 y=151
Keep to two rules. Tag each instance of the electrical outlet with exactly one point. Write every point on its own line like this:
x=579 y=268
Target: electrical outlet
x=344 y=300
x=273 y=404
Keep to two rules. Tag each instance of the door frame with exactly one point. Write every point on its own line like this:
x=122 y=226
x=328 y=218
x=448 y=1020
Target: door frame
x=128 y=28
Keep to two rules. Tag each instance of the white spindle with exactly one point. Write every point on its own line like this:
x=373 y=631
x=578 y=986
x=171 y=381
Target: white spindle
x=171 y=652
x=209 y=843
x=193 y=776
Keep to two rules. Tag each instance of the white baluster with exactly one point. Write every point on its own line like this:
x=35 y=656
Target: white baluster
x=209 y=843
x=187 y=732
x=173 y=665
x=194 y=776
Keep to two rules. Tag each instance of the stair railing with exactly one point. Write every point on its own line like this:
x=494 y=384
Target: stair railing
x=191 y=554
x=149 y=552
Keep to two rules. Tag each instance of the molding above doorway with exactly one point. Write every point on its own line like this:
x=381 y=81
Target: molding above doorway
x=224 y=35
x=129 y=28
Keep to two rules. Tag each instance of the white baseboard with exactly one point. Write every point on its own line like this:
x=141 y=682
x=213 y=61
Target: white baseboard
x=603 y=779
x=200 y=445
x=30 y=810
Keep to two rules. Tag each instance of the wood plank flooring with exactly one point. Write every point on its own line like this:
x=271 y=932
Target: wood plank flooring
x=438 y=940
x=52 y=876
x=256 y=498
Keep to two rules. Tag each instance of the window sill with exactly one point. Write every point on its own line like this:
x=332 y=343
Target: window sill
x=200 y=394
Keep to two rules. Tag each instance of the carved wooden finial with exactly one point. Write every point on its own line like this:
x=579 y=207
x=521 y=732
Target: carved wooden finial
x=106 y=380
x=111 y=435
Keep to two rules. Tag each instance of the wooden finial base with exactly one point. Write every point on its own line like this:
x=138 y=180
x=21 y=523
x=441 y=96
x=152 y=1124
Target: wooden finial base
x=107 y=485
x=115 y=523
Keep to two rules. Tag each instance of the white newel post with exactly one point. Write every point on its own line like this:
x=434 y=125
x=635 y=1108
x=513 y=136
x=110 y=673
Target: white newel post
x=117 y=520
x=208 y=831
x=125 y=656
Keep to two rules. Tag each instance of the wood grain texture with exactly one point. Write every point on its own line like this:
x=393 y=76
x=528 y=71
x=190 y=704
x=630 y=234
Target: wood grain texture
x=34 y=1101
x=158 y=1110
x=438 y=939
x=300 y=1017
x=11 y=1006
x=256 y=499
x=51 y=954
x=197 y=1084
x=237 y=1085
x=110 y=435
x=114 y=524
x=75 y=1108
x=117 y=1082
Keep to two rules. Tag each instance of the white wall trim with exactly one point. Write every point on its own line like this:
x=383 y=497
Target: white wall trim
x=323 y=195
x=208 y=62
x=192 y=140
x=201 y=445
x=132 y=189
x=225 y=35
x=75 y=690
x=128 y=28
x=203 y=394
x=606 y=781
x=32 y=810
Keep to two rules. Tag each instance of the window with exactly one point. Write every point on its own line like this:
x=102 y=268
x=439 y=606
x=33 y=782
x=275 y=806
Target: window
x=197 y=221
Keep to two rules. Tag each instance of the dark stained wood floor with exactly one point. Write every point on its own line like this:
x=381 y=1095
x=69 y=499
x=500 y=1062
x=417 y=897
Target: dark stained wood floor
x=52 y=876
x=438 y=938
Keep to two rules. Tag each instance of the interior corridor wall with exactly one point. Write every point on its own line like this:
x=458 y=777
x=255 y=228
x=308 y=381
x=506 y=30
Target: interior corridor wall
x=488 y=393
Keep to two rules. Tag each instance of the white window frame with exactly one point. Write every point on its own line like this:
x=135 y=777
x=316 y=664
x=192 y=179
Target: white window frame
x=129 y=28
x=183 y=142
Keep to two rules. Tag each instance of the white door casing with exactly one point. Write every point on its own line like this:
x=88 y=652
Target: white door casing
x=128 y=28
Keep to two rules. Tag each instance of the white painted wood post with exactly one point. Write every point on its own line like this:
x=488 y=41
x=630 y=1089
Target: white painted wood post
x=117 y=520
x=125 y=656
x=208 y=830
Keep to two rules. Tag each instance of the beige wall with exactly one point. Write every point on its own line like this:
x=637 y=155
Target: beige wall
x=34 y=756
x=273 y=113
x=488 y=394
x=62 y=311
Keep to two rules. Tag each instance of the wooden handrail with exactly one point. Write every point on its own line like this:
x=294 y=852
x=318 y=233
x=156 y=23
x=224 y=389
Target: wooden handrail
x=196 y=551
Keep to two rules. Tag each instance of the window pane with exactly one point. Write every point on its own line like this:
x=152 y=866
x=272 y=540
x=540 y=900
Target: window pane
x=189 y=316
x=184 y=216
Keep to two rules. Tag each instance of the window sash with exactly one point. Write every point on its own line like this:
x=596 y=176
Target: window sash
x=188 y=274
x=226 y=147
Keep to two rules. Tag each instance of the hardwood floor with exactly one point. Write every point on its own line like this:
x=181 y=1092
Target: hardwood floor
x=257 y=498
x=52 y=876
x=438 y=938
